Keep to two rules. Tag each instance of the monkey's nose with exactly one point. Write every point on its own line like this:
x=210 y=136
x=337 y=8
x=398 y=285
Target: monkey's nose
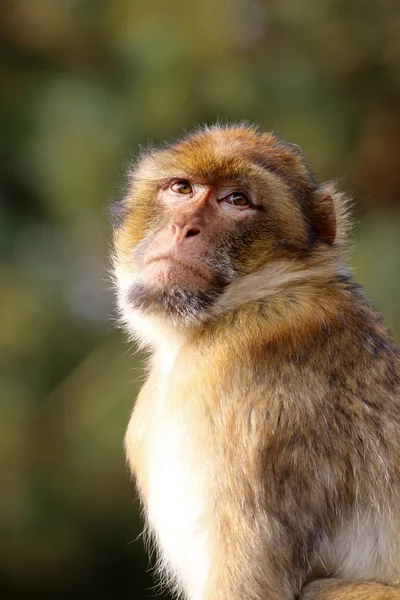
x=183 y=231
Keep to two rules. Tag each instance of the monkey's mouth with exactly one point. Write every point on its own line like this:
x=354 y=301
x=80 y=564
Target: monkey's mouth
x=166 y=271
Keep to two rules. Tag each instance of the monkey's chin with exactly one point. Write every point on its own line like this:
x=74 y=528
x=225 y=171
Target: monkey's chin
x=173 y=302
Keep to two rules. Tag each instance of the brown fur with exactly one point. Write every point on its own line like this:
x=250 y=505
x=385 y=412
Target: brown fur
x=334 y=589
x=288 y=403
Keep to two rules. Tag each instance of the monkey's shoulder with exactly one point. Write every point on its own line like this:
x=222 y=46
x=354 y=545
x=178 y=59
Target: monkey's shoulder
x=347 y=364
x=336 y=333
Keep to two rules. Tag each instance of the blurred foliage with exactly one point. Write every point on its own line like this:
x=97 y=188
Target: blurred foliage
x=83 y=83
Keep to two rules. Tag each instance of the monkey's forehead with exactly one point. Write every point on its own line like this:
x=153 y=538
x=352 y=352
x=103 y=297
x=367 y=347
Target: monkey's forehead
x=218 y=154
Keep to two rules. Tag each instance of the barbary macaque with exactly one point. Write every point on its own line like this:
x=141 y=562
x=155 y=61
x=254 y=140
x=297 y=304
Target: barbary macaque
x=266 y=440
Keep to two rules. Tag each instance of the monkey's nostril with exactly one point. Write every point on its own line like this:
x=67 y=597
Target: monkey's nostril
x=192 y=231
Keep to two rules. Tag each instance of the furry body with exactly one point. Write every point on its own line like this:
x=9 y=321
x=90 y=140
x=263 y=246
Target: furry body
x=266 y=439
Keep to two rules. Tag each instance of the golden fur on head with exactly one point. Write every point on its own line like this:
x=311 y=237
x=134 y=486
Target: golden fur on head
x=242 y=154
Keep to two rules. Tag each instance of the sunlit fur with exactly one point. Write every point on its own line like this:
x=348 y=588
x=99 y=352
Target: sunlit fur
x=266 y=440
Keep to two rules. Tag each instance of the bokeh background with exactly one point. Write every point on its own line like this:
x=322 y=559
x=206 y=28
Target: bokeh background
x=83 y=83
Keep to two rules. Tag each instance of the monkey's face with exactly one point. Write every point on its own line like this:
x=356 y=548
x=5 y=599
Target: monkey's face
x=205 y=212
x=185 y=260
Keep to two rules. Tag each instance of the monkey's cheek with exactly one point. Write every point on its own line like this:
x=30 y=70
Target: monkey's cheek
x=165 y=274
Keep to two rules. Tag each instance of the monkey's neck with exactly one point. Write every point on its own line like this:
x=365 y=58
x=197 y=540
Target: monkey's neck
x=292 y=316
x=277 y=279
x=286 y=320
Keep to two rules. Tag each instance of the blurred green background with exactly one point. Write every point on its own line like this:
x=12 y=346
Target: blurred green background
x=83 y=83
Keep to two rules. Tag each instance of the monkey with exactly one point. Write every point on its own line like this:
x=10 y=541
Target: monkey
x=265 y=441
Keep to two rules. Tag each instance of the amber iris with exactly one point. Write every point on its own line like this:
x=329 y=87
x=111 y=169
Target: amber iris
x=182 y=187
x=238 y=199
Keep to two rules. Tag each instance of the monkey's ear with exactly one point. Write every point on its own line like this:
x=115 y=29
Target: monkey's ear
x=323 y=217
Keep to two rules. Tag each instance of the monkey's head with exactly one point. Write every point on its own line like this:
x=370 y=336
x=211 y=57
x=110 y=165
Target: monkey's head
x=223 y=217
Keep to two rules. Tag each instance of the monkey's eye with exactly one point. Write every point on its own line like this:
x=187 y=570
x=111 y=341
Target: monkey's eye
x=238 y=199
x=182 y=187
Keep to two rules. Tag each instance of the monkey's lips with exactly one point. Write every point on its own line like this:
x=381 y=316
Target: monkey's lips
x=167 y=271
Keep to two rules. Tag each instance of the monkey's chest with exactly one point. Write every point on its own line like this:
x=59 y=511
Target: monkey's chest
x=177 y=502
